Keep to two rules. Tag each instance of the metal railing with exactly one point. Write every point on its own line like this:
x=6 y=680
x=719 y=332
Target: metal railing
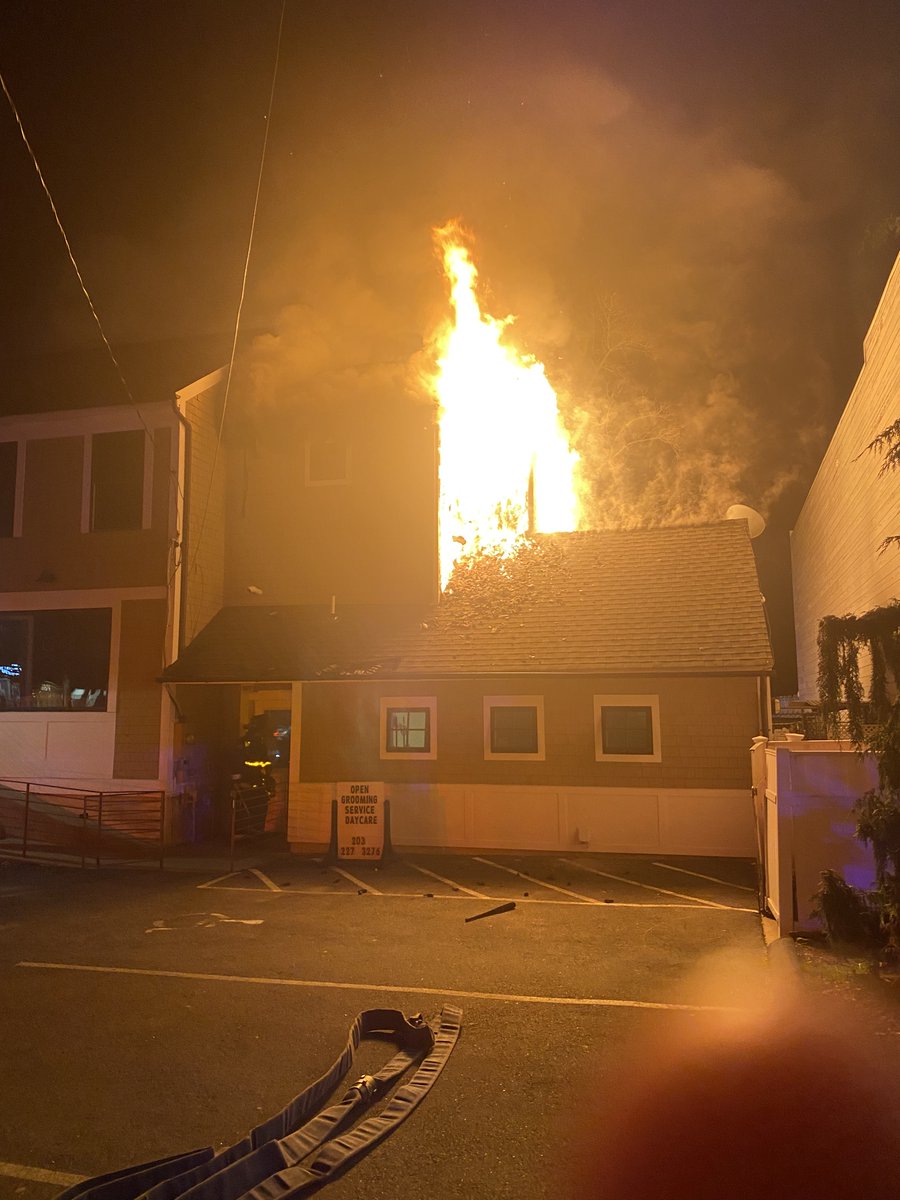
x=249 y=814
x=56 y=823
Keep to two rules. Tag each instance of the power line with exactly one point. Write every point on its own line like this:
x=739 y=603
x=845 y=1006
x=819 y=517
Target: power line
x=240 y=307
x=70 y=252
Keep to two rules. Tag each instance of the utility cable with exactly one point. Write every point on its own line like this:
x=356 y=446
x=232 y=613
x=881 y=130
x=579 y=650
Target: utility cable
x=71 y=254
x=237 y=322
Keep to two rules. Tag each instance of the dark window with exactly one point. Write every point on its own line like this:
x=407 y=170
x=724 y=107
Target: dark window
x=9 y=456
x=408 y=730
x=57 y=659
x=327 y=462
x=627 y=729
x=117 y=480
x=514 y=729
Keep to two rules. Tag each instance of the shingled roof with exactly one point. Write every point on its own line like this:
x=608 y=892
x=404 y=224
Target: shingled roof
x=624 y=602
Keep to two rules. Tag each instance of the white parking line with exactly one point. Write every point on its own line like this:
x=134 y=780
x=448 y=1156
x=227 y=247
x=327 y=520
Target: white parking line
x=40 y=1175
x=359 y=882
x=646 y=886
x=449 y=882
x=712 y=879
x=578 y=1001
x=540 y=882
x=273 y=887
x=499 y=899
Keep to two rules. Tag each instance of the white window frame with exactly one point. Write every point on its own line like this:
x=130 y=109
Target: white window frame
x=429 y=702
x=627 y=701
x=307 y=454
x=536 y=702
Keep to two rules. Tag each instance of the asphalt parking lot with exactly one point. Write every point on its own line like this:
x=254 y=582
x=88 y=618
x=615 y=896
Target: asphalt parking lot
x=146 y=1013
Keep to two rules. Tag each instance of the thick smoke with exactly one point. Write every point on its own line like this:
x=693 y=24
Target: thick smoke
x=673 y=288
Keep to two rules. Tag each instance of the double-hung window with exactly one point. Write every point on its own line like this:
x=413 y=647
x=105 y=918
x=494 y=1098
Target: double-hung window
x=408 y=727
x=514 y=727
x=626 y=729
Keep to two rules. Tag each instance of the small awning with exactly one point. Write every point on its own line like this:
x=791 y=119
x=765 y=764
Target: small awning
x=258 y=643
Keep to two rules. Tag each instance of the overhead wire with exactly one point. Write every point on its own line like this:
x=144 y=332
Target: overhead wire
x=96 y=316
x=71 y=254
x=243 y=289
x=192 y=566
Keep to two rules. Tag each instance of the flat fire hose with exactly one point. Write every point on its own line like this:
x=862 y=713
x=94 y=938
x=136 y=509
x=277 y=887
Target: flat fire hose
x=305 y=1146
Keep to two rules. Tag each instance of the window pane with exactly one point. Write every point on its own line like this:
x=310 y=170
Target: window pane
x=56 y=660
x=117 y=480
x=8 y=459
x=15 y=644
x=408 y=729
x=627 y=729
x=514 y=729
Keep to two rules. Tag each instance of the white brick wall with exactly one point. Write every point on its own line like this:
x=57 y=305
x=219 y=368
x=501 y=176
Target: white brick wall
x=850 y=510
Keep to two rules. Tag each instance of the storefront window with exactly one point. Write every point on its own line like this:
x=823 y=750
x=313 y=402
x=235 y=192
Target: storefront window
x=55 y=659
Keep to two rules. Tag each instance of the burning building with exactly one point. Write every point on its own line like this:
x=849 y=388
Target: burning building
x=399 y=591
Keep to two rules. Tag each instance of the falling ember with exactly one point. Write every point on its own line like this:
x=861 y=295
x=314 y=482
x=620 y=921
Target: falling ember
x=506 y=468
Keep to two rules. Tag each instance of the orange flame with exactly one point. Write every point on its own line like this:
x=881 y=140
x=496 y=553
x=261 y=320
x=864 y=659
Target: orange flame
x=506 y=468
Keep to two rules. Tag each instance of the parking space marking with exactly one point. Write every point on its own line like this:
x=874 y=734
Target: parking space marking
x=456 y=993
x=219 y=878
x=646 y=886
x=293 y=891
x=449 y=882
x=273 y=887
x=712 y=879
x=358 y=882
x=40 y=1175
x=540 y=882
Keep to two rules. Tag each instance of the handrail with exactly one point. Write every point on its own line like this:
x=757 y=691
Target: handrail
x=58 y=820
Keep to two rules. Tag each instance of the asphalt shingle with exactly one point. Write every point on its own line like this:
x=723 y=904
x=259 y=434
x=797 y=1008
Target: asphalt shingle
x=649 y=601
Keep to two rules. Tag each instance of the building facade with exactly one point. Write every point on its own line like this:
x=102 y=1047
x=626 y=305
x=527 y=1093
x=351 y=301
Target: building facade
x=597 y=691
x=93 y=526
x=851 y=508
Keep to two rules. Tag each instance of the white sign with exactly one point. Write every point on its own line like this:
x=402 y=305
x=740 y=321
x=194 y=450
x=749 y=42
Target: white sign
x=360 y=820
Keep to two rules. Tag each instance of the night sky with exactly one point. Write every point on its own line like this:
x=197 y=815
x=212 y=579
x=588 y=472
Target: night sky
x=692 y=208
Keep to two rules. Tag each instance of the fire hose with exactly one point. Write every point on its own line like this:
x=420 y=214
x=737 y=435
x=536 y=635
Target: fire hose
x=304 y=1146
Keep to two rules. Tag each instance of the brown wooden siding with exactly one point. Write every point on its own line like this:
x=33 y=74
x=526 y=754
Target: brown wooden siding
x=206 y=512
x=706 y=725
x=54 y=554
x=139 y=695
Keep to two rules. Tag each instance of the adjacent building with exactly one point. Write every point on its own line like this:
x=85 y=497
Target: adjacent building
x=838 y=565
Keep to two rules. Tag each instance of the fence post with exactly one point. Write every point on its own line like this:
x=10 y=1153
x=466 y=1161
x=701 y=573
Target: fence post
x=99 y=829
x=25 y=822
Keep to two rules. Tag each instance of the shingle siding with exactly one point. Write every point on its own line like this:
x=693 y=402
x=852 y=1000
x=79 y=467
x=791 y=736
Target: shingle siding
x=206 y=520
x=706 y=726
x=53 y=553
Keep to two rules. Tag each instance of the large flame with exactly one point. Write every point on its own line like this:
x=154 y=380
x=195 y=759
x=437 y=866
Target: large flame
x=506 y=468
